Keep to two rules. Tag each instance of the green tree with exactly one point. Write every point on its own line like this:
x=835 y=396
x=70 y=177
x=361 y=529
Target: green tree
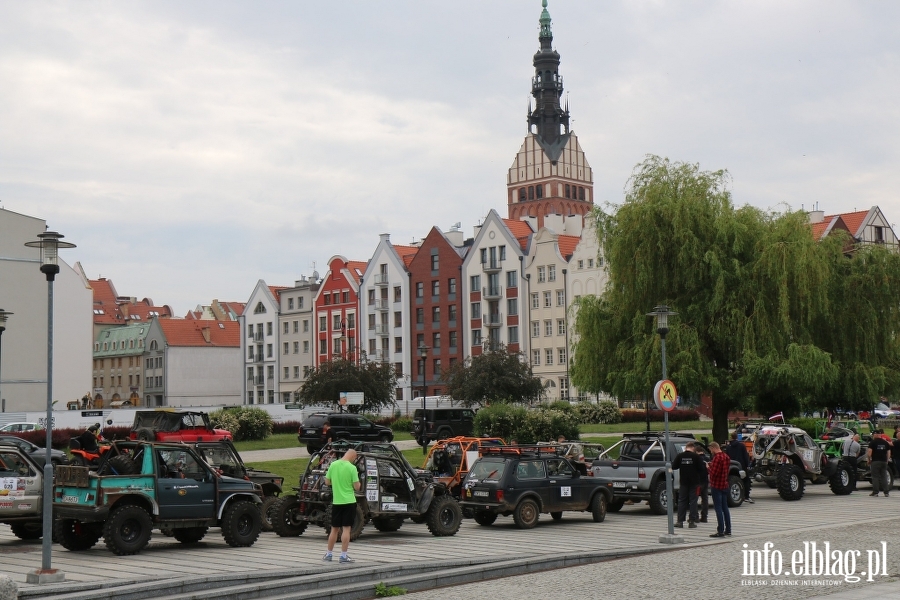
x=496 y=375
x=757 y=300
x=324 y=384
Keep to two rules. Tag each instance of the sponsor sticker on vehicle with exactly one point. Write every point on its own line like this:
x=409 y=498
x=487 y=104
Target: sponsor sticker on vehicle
x=8 y=483
x=70 y=499
x=410 y=484
x=371 y=472
x=388 y=498
x=393 y=506
x=5 y=505
x=24 y=507
x=372 y=495
x=565 y=491
x=619 y=484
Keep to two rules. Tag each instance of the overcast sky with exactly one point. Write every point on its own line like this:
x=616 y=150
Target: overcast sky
x=192 y=148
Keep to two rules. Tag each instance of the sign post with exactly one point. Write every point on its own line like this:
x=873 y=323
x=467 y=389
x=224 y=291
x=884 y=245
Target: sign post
x=666 y=397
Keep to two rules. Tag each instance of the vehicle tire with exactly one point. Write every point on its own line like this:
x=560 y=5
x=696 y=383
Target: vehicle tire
x=285 y=519
x=359 y=523
x=387 y=524
x=266 y=512
x=444 y=516
x=735 y=491
x=385 y=438
x=24 y=530
x=658 y=498
x=76 y=536
x=127 y=530
x=241 y=523
x=842 y=481
x=556 y=515
x=78 y=461
x=526 y=514
x=189 y=535
x=122 y=464
x=312 y=449
x=145 y=434
x=599 y=507
x=444 y=433
x=485 y=518
x=615 y=506
x=791 y=484
x=55 y=462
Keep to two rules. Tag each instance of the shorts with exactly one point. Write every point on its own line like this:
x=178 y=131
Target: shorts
x=342 y=515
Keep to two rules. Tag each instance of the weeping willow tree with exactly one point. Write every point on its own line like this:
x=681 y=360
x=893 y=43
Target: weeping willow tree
x=766 y=314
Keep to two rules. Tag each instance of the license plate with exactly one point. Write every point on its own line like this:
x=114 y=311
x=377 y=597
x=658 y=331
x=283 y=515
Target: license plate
x=70 y=499
x=619 y=484
x=310 y=431
x=481 y=493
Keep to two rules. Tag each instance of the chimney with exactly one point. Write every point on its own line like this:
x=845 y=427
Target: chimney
x=816 y=216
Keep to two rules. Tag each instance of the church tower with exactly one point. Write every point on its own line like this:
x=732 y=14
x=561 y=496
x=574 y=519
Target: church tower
x=550 y=175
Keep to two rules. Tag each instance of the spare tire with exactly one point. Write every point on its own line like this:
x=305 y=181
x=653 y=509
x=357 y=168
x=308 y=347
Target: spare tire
x=119 y=465
x=145 y=434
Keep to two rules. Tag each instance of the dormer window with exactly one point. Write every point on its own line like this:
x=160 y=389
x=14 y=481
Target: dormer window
x=260 y=309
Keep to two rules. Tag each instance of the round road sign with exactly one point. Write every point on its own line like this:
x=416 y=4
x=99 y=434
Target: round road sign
x=665 y=395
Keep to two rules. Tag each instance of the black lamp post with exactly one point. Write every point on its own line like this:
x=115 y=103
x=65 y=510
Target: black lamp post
x=49 y=243
x=423 y=354
x=4 y=315
x=662 y=314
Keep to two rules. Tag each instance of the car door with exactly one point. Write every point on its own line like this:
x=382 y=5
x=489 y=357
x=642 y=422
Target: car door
x=565 y=491
x=20 y=486
x=186 y=487
x=531 y=475
x=366 y=430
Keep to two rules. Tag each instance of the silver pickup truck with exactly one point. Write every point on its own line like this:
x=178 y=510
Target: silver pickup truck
x=21 y=496
x=637 y=472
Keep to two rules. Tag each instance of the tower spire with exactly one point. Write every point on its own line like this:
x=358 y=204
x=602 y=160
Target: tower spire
x=548 y=119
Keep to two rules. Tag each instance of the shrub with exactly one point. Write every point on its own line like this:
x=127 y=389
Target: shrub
x=286 y=427
x=228 y=420
x=60 y=439
x=638 y=416
x=401 y=424
x=116 y=433
x=546 y=426
x=806 y=424
x=255 y=423
x=499 y=420
x=606 y=411
x=560 y=405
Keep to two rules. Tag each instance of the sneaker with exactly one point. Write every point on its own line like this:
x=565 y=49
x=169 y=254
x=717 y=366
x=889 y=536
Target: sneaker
x=679 y=525
x=717 y=535
x=728 y=534
x=749 y=501
x=874 y=494
x=703 y=520
x=692 y=525
x=886 y=494
x=347 y=559
x=327 y=557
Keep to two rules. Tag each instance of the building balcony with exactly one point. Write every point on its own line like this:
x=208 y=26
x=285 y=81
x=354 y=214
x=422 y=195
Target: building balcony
x=257 y=336
x=492 y=320
x=492 y=266
x=255 y=380
x=382 y=304
x=381 y=279
x=381 y=329
x=491 y=292
x=379 y=356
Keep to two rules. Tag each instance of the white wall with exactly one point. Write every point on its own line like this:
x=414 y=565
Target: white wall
x=203 y=376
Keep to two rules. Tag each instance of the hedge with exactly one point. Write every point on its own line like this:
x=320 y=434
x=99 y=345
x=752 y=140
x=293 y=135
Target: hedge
x=638 y=416
x=544 y=424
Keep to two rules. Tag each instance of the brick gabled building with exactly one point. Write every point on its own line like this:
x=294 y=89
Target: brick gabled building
x=436 y=306
x=864 y=226
x=113 y=310
x=337 y=309
x=217 y=311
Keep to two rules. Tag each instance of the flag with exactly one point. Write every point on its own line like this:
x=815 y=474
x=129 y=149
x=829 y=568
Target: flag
x=777 y=416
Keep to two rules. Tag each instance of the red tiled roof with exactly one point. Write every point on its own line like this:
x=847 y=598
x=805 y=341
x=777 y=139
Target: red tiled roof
x=236 y=307
x=852 y=220
x=567 y=245
x=520 y=230
x=276 y=291
x=357 y=265
x=222 y=334
x=818 y=229
x=105 y=300
x=406 y=253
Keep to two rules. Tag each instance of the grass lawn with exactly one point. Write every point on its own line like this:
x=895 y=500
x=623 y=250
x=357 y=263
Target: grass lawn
x=289 y=440
x=642 y=426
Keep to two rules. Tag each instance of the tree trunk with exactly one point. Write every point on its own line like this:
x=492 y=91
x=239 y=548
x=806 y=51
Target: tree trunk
x=720 y=408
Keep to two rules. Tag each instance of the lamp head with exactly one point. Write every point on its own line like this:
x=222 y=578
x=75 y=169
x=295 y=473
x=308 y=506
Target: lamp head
x=662 y=314
x=4 y=315
x=49 y=242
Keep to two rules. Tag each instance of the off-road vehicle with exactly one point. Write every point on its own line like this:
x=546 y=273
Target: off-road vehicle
x=785 y=457
x=391 y=492
x=525 y=481
x=638 y=471
x=169 y=425
x=449 y=460
x=21 y=497
x=442 y=423
x=143 y=486
x=319 y=429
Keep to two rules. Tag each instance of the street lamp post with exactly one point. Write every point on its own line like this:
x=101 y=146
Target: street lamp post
x=662 y=314
x=4 y=315
x=49 y=243
x=423 y=353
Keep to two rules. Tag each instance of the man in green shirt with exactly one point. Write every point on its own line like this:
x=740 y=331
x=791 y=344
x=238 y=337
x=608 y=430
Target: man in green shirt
x=344 y=481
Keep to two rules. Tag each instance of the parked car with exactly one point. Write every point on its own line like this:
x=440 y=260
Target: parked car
x=442 y=423
x=21 y=495
x=38 y=454
x=18 y=427
x=168 y=425
x=320 y=428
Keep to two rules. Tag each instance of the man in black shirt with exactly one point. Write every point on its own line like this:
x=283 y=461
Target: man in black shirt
x=879 y=454
x=736 y=450
x=88 y=439
x=688 y=465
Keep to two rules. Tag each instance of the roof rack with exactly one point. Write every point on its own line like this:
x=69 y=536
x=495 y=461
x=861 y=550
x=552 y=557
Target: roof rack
x=521 y=450
x=685 y=434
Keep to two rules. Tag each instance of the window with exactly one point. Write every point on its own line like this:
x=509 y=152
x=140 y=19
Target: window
x=502 y=252
x=562 y=356
x=269 y=350
x=475 y=283
x=434 y=262
x=398 y=371
x=436 y=365
x=551 y=273
x=335 y=322
x=287 y=372
x=420 y=289
x=300 y=302
x=549 y=356
x=476 y=337
x=290 y=307
x=560 y=297
x=306 y=369
x=568 y=191
x=548 y=327
x=542 y=274
x=580 y=264
x=398 y=293
x=435 y=341
x=398 y=319
x=335 y=297
x=560 y=327
x=536 y=357
x=249 y=355
x=323 y=346
x=512 y=335
x=398 y=344
x=535 y=329
x=306 y=347
x=296 y=347
x=453 y=340
x=483 y=255
x=420 y=340
x=371 y=322
x=512 y=279
x=420 y=316
x=372 y=347
x=452 y=361
x=547 y=298
x=285 y=348
x=540 y=191
x=260 y=309
x=451 y=285
x=590 y=263
x=351 y=320
x=323 y=323
x=269 y=328
x=535 y=300
x=476 y=310
x=436 y=315
x=305 y=325
x=345 y=297
x=371 y=297
x=296 y=326
x=531 y=192
x=435 y=288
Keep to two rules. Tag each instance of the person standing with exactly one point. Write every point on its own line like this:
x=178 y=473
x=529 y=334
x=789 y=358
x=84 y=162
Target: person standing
x=879 y=453
x=343 y=478
x=686 y=464
x=703 y=491
x=718 y=483
x=736 y=450
x=850 y=453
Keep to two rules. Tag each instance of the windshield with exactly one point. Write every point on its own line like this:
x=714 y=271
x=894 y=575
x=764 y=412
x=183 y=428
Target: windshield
x=487 y=470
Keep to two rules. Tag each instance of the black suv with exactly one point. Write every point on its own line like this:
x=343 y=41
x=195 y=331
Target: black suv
x=320 y=428
x=524 y=481
x=442 y=423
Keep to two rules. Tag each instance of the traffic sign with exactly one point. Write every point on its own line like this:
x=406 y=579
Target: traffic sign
x=665 y=395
